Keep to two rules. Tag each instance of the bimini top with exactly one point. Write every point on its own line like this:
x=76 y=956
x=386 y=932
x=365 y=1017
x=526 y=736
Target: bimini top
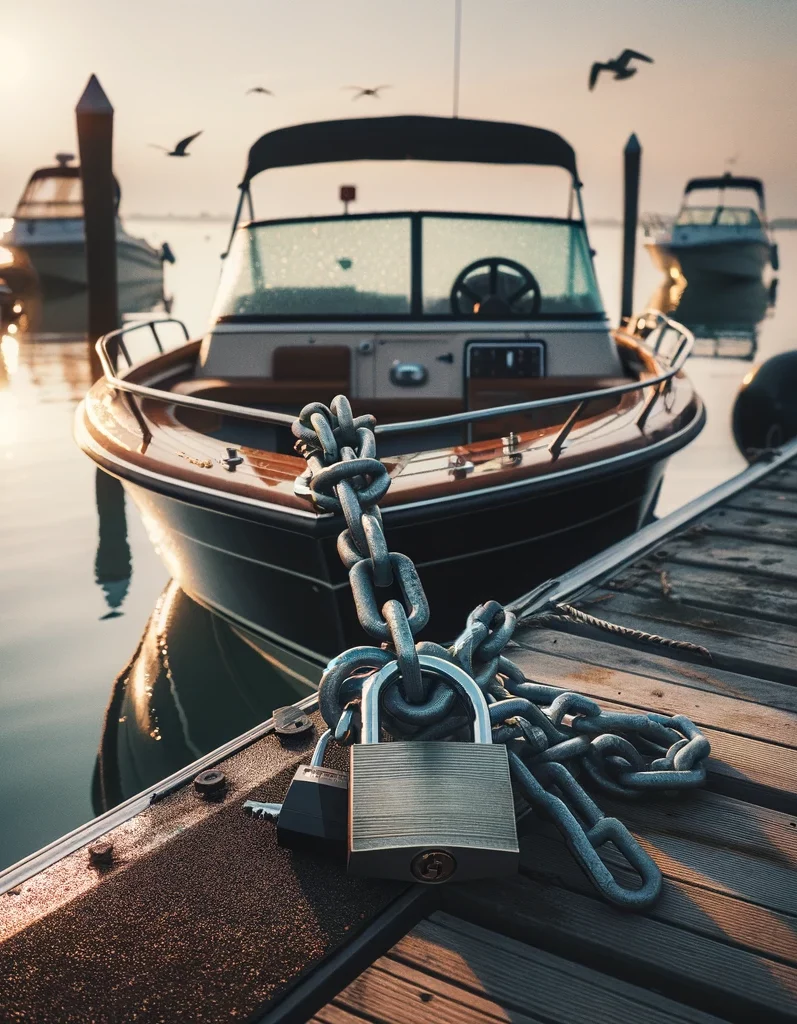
x=409 y=138
x=727 y=181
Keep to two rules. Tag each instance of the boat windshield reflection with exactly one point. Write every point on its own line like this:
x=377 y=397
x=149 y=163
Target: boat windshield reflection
x=194 y=682
x=725 y=316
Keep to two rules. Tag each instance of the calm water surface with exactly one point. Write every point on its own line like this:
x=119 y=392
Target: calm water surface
x=80 y=580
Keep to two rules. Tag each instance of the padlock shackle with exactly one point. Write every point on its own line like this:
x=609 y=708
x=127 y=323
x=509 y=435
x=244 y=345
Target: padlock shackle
x=452 y=674
x=317 y=760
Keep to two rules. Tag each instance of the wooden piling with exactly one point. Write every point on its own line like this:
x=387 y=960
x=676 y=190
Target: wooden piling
x=632 y=161
x=95 y=140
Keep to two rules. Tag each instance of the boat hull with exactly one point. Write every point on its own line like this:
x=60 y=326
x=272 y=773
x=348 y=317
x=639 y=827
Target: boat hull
x=283 y=581
x=734 y=259
x=61 y=264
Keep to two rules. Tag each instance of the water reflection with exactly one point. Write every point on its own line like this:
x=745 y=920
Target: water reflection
x=112 y=565
x=193 y=683
x=725 y=317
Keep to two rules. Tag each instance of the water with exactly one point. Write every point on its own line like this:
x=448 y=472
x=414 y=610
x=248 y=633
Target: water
x=80 y=579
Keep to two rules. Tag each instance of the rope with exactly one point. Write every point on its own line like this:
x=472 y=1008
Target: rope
x=568 y=613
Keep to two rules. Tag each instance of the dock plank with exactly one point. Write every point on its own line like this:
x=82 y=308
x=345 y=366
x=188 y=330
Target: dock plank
x=571 y=663
x=709 y=975
x=771 y=502
x=740 y=765
x=459 y=968
x=706 y=892
x=714 y=587
x=558 y=658
x=731 y=522
x=760 y=559
x=747 y=641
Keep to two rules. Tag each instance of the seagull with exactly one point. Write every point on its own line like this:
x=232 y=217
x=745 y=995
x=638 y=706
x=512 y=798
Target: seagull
x=363 y=91
x=261 y=90
x=619 y=66
x=180 y=149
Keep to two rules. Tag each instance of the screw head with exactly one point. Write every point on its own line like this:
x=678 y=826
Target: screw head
x=291 y=721
x=433 y=866
x=210 y=783
x=101 y=854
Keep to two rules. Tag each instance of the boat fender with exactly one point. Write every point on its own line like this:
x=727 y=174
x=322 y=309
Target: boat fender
x=774 y=257
x=765 y=410
x=167 y=256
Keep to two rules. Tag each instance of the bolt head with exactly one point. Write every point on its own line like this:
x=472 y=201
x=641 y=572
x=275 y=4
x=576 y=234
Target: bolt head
x=101 y=854
x=210 y=783
x=433 y=866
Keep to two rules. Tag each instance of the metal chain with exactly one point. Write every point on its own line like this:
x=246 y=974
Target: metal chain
x=552 y=735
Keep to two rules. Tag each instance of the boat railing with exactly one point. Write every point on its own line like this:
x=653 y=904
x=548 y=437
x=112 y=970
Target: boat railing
x=657 y=326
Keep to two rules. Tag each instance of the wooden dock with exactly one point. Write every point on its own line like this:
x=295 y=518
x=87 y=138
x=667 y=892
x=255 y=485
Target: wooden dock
x=203 y=918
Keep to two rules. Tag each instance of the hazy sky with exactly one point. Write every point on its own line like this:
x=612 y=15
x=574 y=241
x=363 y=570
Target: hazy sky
x=724 y=84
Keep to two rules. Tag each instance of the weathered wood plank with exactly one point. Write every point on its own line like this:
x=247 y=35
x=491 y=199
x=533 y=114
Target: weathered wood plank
x=780 y=480
x=735 y=635
x=749 y=555
x=739 y=766
x=717 y=822
x=577 y=664
x=753 y=527
x=523 y=978
x=644 y=660
x=712 y=587
x=700 y=890
x=391 y=993
x=335 y=1015
x=771 y=502
x=707 y=974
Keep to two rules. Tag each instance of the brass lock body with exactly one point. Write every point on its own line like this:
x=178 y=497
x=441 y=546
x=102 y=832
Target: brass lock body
x=430 y=811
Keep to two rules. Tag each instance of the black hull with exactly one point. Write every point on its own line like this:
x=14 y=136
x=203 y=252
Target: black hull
x=280 y=577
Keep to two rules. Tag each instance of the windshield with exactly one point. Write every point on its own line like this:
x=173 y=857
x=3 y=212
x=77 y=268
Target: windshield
x=727 y=216
x=362 y=266
x=56 y=196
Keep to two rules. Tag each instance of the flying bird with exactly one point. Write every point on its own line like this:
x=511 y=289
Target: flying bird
x=181 y=149
x=261 y=90
x=363 y=91
x=619 y=66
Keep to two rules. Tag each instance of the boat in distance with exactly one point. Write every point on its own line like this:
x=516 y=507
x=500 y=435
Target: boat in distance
x=716 y=239
x=48 y=225
x=521 y=433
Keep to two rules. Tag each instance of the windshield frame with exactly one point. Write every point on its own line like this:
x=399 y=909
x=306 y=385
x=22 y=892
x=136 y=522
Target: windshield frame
x=416 y=313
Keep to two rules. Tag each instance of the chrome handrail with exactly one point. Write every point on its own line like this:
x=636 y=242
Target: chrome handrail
x=659 y=383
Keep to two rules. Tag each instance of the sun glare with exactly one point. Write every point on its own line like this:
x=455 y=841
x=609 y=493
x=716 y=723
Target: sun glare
x=13 y=64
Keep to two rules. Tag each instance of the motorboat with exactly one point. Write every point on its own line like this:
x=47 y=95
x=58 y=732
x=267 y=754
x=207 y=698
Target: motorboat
x=718 y=238
x=48 y=225
x=521 y=433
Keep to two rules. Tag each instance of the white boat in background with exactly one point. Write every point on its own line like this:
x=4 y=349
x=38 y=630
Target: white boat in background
x=48 y=225
x=715 y=239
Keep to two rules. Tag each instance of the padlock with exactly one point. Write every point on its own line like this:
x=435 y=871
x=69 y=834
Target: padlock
x=315 y=810
x=429 y=811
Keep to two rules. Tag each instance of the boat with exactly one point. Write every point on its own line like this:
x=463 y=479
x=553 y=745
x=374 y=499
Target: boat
x=48 y=225
x=715 y=239
x=521 y=433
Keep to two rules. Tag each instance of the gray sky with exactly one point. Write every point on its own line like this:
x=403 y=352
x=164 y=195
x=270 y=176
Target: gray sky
x=724 y=84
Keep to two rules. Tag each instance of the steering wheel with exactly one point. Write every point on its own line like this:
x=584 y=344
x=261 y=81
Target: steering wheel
x=495 y=303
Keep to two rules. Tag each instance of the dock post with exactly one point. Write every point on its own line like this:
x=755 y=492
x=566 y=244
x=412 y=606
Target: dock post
x=632 y=161
x=95 y=140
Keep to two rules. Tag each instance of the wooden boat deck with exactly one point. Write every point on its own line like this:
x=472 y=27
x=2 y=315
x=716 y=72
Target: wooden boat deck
x=204 y=918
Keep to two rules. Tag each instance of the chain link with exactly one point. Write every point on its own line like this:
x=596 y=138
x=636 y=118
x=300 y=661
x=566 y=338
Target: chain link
x=552 y=735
